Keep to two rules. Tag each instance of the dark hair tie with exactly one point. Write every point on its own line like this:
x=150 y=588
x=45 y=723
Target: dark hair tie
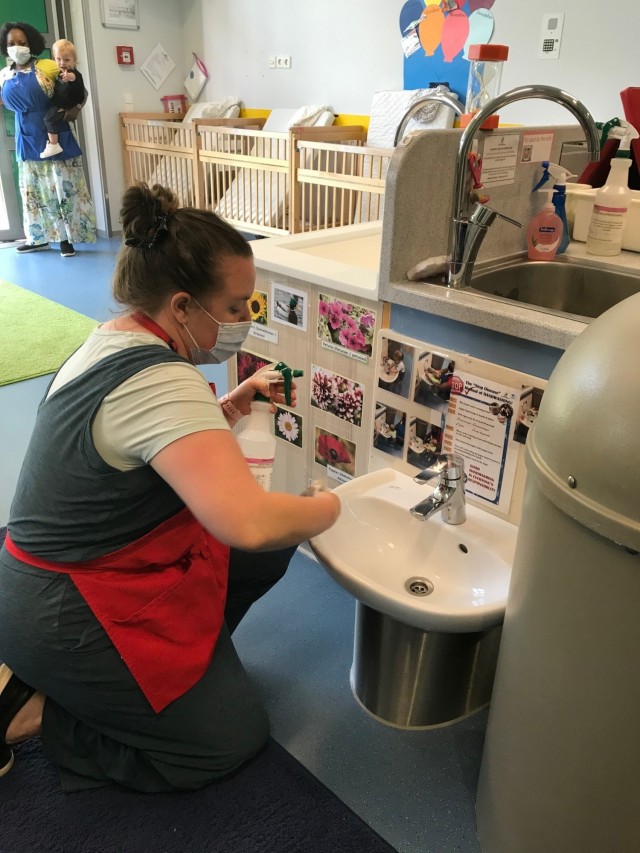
x=161 y=227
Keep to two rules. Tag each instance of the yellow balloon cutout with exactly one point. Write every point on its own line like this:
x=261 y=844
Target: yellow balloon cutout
x=430 y=29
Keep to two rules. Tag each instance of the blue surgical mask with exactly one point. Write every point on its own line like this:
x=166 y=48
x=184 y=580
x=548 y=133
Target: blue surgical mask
x=230 y=338
x=19 y=54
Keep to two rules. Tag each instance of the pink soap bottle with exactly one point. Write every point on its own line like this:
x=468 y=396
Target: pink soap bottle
x=544 y=233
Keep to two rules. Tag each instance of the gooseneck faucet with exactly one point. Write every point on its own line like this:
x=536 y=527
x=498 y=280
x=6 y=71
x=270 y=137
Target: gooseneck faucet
x=467 y=231
x=418 y=104
x=448 y=495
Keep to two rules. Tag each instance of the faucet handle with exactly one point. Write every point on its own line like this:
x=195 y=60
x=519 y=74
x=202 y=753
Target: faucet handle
x=449 y=466
x=484 y=216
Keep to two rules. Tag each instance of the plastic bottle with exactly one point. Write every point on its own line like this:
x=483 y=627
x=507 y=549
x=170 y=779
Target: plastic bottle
x=257 y=441
x=559 y=199
x=544 y=233
x=610 y=208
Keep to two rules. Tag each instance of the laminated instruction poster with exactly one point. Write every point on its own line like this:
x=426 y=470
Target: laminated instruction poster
x=479 y=425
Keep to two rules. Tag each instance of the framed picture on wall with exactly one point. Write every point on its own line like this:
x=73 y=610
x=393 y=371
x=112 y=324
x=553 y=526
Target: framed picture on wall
x=120 y=14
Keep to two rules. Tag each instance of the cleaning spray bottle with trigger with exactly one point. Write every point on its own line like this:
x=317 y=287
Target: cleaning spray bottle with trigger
x=257 y=441
x=559 y=199
x=611 y=205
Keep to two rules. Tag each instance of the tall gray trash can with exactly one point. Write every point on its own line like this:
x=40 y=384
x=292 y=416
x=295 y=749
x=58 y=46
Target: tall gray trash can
x=561 y=764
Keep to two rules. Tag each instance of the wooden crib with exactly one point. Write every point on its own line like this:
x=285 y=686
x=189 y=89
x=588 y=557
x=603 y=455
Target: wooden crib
x=306 y=179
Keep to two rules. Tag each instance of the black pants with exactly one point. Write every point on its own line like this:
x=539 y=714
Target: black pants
x=97 y=725
x=53 y=119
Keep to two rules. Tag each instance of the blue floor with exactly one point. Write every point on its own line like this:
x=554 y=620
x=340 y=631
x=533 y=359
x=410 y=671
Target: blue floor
x=417 y=789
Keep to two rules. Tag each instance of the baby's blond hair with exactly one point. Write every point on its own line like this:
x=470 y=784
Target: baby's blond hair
x=63 y=44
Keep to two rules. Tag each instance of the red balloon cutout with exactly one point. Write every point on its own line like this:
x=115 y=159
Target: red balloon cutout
x=454 y=34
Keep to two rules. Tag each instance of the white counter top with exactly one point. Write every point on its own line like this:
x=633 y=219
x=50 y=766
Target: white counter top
x=346 y=259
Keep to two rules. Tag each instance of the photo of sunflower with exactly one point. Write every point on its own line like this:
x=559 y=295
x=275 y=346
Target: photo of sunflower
x=258 y=307
x=288 y=426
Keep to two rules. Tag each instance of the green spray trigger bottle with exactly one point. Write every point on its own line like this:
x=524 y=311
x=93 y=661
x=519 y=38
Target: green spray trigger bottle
x=257 y=441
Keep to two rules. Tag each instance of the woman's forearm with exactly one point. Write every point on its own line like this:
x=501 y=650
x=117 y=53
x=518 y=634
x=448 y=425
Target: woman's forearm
x=289 y=520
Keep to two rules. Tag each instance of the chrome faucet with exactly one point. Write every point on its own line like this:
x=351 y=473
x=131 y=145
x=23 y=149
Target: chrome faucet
x=448 y=495
x=417 y=105
x=467 y=231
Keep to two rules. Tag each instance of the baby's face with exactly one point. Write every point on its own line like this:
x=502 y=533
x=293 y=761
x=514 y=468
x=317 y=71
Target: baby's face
x=65 y=58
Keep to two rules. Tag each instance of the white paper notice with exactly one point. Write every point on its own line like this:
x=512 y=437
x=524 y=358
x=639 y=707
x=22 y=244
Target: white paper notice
x=536 y=147
x=499 y=159
x=479 y=425
x=157 y=66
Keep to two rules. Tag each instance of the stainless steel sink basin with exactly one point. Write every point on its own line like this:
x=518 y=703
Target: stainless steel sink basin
x=558 y=287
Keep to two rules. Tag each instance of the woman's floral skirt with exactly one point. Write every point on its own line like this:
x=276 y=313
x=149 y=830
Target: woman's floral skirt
x=56 y=204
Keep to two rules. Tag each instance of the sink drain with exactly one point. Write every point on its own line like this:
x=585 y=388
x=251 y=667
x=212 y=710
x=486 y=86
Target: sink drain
x=418 y=586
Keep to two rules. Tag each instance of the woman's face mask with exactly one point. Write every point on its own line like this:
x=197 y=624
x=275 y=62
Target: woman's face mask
x=230 y=338
x=19 y=54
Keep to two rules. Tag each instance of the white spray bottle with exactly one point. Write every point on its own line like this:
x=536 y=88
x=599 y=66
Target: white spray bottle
x=611 y=204
x=257 y=441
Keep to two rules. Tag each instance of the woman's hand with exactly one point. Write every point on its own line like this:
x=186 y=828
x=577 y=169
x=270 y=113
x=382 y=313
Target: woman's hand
x=245 y=393
x=71 y=113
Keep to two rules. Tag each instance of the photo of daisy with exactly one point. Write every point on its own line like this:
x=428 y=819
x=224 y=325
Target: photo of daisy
x=288 y=426
x=333 y=393
x=258 y=305
x=335 y=452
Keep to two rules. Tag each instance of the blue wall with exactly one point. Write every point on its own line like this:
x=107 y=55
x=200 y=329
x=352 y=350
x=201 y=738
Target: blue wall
x=525 y=356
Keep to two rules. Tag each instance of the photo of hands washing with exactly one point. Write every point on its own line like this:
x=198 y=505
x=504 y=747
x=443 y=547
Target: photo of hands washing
x=434 y=378
x=396 y=365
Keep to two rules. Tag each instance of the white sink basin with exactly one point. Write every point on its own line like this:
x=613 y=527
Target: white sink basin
x=377 y=549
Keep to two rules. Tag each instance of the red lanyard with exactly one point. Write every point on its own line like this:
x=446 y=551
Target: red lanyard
x=146 y=321
x=159 y=332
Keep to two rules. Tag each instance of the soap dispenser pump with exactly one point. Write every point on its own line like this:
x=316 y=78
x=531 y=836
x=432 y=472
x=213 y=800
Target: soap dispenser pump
x=559 y=198
x=544 y=234
x=257 y=441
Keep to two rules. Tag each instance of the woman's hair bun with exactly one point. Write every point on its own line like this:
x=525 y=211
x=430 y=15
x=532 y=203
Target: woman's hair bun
x=142 y=208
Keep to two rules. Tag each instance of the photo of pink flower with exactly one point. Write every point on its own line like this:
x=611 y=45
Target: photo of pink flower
x=248 y=364
x=336 y=394
x=345 y=324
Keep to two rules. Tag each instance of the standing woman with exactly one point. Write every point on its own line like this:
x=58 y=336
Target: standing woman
x=56 y=205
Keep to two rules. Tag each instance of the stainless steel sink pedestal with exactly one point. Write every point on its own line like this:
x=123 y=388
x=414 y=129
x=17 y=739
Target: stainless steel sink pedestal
x=415 y=679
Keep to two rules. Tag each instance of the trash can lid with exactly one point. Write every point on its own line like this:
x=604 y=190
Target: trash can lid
x=584 y=449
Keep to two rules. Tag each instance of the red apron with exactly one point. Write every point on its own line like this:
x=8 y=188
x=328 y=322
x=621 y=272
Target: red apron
x=160 y=599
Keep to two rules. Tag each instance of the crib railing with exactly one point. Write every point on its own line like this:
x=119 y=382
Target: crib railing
x=338 y=184
x=247 y=175
x=263 y=183
x=159 y=149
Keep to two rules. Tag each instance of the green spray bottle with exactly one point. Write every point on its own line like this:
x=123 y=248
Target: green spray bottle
x=257 y=441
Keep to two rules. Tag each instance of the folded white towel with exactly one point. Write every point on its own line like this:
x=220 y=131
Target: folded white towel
x=310 y=115
x=429 y=268
x=227 y=108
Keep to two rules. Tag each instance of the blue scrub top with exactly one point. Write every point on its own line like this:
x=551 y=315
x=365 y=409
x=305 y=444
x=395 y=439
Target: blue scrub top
x=27 y=94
